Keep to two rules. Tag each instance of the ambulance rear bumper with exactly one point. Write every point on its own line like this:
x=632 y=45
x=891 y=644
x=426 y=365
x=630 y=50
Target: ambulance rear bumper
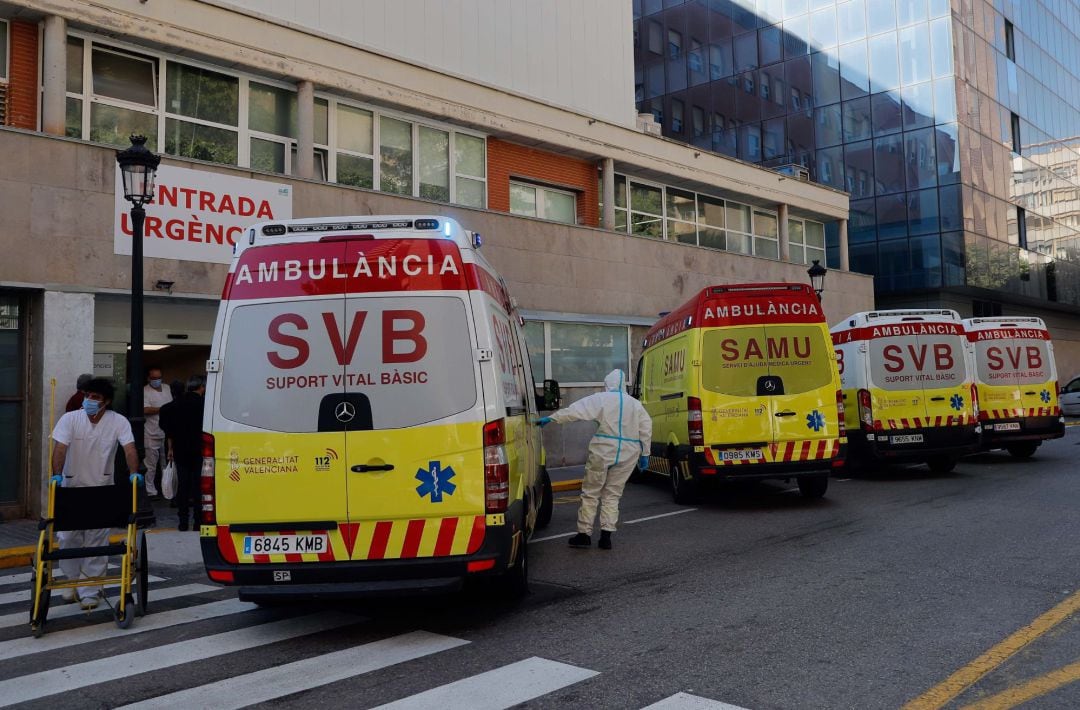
x=899 y=445
x=999 y=432
x=754 y=471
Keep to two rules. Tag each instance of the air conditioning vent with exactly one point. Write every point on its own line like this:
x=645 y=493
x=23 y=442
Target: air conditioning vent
x=794 y=170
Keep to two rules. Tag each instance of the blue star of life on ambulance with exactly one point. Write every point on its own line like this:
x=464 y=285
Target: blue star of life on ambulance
x=957 y=402
x=815 y=421
x=434 y=481
x=1045 y=396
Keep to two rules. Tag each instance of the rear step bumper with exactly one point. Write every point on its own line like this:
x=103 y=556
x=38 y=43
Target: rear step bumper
x=1031 y=429
x=351 y=590
x=937 y=441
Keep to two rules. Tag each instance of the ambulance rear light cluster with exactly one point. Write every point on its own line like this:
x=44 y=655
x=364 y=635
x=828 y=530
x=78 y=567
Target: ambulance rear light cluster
x=280 y=230
x=975 y=400
x=206 y=482
x=496 y=468
x=840 y=412
x=694 y=421
x=866 y=409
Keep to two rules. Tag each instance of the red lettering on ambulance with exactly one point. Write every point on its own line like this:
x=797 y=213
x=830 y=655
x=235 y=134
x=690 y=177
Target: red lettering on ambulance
x=943 y=357
x=993 y=357
x=1034 y=357
x=413 y=334
x=344 y=351
x=289 y=341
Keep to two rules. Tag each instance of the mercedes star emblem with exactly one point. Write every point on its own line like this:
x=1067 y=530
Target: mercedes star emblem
x=345 y=412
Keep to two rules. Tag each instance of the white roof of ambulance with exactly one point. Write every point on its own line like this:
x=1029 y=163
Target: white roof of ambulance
x=899 y=315
x=1003 y=322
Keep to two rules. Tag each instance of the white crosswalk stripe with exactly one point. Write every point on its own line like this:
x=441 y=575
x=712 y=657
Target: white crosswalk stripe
x=496 y=689
x=24 y=595
x=24 y=577
x=80 y=675
x=279 y=681
x=64 y=610
x=686 y=701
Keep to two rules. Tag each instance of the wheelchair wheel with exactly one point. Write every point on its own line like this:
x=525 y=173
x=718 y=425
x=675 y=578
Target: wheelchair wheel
x=142 y=575
x=123 y=619
x=42 y=595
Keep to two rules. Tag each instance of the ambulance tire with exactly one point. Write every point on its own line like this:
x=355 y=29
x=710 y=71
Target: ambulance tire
x=514 y=584
x=683 y=492
x=547 y=501
x=941 y=464
x=813 y=487
x=1022 y=450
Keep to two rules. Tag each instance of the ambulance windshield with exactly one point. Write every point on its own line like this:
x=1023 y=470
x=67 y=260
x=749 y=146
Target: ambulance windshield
x=734 y=358
x=409 y=357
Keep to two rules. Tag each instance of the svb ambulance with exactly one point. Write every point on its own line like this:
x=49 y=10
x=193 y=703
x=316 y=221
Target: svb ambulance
x=369 y=409
x=1017 y=381
x=741 y=384
x=909 y=387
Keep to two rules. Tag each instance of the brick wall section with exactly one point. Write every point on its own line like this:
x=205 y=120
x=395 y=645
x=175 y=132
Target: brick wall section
x=23 y=76
x=509 y=160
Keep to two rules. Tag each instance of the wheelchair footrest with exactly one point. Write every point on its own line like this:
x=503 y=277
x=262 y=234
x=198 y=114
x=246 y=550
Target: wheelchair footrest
x=73 y=553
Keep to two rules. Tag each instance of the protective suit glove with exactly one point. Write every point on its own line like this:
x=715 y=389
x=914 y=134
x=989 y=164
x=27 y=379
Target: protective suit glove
x=57 y=479
x=643 y=462
x=543 y=421
x=136 y=478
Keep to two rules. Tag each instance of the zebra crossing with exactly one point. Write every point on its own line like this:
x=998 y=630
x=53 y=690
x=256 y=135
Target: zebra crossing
x=189 y=623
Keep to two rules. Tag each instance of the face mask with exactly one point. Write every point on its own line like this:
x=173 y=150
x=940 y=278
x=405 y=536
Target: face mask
x=91 y=406
x=156 y=384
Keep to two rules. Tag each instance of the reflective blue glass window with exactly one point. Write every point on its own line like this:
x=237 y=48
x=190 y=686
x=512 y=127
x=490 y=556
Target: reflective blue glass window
x=823 y=28
x=859 y=169
x=863 y=257
x=914 y=55
x=919 y=153
x=885 y=108
x=800 y=83
x=830 y=167
x=925 y=262
x=676 y=74
x=743 y=18
x=769 y=10
x=952 y=251
x=945 y=100
x=939 y=8
x=910 y=11
x=793 y=8
x=894 y=266
x=721 y=64
x=918 y=106
x=750 y=142
x=746 y=52
x=892 y=217
x=654 y=80
x=774 y=138
x=861 y=222
x=826 y=78
x=922 y=212
x=951 y=214
x=796 y=36
x=941 y=44
x=851 y=20
x=884 y=69
x=889 y=170
x=947 y=153
x=818 y=4
x=857 y=120
x=881 y=16
x=827 y=126
x=769 y=45
x=854 y=70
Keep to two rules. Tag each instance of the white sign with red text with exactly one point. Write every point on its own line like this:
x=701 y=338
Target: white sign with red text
x=196 y=215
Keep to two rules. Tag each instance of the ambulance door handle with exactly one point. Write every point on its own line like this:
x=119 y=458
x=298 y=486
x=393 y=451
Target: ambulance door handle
x=785 y=414
x=937 y=399
x=363 y=468
x=1029 y=393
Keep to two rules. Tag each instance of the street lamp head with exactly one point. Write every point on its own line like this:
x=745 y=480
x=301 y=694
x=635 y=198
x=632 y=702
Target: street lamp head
x=138 y=167
x=817 y=277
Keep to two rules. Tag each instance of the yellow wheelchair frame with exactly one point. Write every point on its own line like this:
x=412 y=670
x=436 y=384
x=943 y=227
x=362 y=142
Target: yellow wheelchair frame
x=91 y=508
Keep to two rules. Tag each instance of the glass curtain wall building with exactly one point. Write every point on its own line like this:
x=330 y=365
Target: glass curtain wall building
x=953 y=124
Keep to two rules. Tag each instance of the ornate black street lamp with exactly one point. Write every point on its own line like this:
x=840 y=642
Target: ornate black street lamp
x=138 y=167
x=817 y=277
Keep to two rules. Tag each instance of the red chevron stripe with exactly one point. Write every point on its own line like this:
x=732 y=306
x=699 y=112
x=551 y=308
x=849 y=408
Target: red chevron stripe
x=413 y=534
x=379 y=541
x=445 y=542
x=820 y=450
x=327 y=556
x=292 y=556
x=804 y=453
x=477 y=537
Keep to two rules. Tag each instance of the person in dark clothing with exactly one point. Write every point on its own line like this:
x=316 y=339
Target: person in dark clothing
x=74 y=403
x=182 y=422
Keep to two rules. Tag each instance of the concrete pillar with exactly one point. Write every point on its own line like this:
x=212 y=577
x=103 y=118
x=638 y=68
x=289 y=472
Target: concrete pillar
x=54 y=76
x=305 y=137
x=607 y=220
x=782 y=230
x=845 y=265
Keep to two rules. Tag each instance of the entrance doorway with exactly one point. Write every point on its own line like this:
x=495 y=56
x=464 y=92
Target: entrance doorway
x=13 y=320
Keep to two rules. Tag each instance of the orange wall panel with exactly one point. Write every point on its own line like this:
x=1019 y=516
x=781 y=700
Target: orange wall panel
x=506 y=161
x=23 y=76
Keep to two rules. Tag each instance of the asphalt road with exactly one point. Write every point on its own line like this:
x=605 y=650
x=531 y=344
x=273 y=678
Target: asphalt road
x=869 y=598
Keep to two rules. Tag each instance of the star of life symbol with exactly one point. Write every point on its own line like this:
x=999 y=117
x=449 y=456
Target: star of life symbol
x=815 y=421
x=957 y=402
x=434 y=481
x=1045 y=396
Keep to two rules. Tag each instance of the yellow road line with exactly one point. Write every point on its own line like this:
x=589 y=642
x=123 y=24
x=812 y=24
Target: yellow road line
x=1030 y=690
x=961 y=680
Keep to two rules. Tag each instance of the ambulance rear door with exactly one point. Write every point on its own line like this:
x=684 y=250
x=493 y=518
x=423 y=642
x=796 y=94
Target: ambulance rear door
x=800 y=362
x=736 y=411
x=946 y=382
x=1016 y=369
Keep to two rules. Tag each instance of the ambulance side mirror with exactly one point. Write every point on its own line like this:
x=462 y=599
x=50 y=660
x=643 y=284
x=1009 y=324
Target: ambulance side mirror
x=550 y=399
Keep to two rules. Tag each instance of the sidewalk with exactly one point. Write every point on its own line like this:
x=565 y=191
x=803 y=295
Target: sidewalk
x=567 y=478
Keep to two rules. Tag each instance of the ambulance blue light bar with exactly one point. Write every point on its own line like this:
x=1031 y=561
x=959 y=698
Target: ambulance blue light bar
x=277 y=230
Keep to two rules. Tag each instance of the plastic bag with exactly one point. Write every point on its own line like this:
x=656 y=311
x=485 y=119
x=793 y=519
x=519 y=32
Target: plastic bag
x=168 y=480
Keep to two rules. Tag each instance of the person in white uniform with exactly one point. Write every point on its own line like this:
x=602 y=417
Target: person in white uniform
x=622 y=440
x=83 y=456
x=154 y=398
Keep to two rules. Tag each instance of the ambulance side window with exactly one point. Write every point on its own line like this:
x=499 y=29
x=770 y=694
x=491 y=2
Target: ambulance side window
x=636 y=393
x=522 y=365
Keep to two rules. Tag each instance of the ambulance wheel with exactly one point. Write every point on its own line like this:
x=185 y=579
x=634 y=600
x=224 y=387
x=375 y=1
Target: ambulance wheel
x=813 y=486
x=547 y=500
x=683 y=492
x=1023 y=450
x=515 y=582
x=941 y=464
x=43 y=595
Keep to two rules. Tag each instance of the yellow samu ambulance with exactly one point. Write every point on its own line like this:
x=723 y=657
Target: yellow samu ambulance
x=741 y=384
x=909 y=388
x=369 y=409
x=1017 y=381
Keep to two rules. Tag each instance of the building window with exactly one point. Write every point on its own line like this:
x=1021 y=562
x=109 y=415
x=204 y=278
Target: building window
x=646 y=210
x=1014 y=123
x=202 y=111
x=806 y=241
x=544 y=202
x=674 y=43
x=766 y=237
x=3 y=51
x=1010 y=41
x=656 y=37
x=1021 y=227
x=123 y=96
x=577 y=354
x=676 y=116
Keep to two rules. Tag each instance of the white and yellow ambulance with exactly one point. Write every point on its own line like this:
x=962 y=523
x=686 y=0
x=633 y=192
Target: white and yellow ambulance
x=369 y=409
x=741 y=384
x=1017 y=381
x=909 y=387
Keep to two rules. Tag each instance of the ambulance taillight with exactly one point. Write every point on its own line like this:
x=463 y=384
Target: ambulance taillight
x=206 y=481
x=496 y=468
x=840 y=412
x=975 y=400
x=694 y=421
x=866 y=409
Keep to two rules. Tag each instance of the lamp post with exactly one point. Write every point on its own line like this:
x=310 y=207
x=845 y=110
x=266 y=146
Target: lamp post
x=138 y=167
x=817 y=277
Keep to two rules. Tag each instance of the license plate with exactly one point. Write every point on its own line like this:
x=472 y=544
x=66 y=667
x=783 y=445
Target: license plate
x=285 y=544
x=742 y=455
x=906 y=439
x=1008 y=426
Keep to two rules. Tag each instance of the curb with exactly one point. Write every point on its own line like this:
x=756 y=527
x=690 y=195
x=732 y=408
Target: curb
x=571 y=485
x=23 y=556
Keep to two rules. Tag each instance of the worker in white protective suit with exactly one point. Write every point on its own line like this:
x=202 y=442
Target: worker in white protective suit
x=621 y=442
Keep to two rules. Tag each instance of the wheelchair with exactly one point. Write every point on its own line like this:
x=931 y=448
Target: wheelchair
x=91 y=508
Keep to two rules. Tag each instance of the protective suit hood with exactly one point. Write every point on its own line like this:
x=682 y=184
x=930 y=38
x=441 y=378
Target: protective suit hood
x=615 y=381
